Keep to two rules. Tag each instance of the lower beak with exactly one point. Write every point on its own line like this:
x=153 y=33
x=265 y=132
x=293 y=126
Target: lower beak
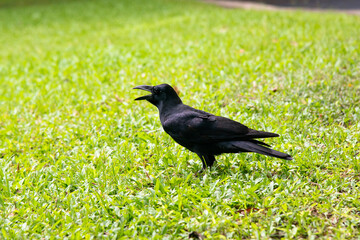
x=146 y=88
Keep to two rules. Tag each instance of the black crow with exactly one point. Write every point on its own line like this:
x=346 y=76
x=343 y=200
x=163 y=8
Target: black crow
x=203 y=133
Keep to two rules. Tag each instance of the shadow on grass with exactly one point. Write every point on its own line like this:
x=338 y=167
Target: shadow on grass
x=318 y=4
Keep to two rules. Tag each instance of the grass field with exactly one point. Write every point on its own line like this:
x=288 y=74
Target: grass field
x=80 y=159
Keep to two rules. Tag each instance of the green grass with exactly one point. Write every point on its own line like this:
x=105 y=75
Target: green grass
x=80 y=159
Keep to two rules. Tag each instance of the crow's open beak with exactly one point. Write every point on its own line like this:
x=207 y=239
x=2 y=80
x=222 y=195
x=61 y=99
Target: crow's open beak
x=146 y=88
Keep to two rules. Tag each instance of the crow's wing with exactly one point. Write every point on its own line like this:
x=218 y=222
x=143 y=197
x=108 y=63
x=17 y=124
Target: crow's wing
x=202 y=127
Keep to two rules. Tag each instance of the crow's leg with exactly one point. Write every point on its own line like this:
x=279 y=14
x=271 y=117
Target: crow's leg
x=209 y=159
x=202 y=158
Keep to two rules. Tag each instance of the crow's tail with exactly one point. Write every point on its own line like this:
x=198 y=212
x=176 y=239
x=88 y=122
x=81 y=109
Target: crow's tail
x=259 y=147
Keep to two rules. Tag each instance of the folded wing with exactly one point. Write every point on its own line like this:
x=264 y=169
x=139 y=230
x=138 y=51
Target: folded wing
x=206 y=128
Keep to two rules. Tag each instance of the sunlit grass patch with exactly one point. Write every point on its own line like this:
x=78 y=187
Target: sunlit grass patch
x=80 y=159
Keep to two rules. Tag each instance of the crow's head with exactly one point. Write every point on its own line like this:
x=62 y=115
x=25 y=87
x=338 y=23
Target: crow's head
x=161 y=95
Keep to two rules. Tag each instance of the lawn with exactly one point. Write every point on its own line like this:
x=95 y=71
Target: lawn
x=81 y=160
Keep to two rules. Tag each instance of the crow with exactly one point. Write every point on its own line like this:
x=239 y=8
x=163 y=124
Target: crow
x=203 y=133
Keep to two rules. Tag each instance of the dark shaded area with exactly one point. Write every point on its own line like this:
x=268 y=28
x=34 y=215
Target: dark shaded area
x=196 y=235
x=321 y=4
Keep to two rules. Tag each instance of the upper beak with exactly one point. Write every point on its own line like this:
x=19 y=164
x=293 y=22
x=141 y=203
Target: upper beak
x=146 y=88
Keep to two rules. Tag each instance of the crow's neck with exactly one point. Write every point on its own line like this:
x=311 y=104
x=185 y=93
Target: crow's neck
x=169 y=107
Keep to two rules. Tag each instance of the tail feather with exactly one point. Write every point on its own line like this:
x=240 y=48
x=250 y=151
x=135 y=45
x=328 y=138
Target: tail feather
x=260 y=134
x=259 y=143
x=252 y=146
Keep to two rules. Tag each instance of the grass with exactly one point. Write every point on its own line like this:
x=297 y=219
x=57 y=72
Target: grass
x=80 y=159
